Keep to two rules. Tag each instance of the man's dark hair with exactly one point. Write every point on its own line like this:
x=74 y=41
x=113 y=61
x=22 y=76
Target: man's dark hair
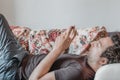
x=113 y=53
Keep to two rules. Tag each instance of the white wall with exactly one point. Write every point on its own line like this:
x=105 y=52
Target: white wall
x=62 y=13
x=7 y=8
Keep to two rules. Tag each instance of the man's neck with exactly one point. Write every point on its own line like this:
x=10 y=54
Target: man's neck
x=93 y=66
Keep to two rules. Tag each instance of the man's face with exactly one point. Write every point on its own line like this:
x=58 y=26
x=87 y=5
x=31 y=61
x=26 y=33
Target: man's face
x=98 y=47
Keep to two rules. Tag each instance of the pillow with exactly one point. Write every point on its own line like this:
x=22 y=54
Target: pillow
x=42 y=41
x=85 y=37
x=22 y=34
x=108 y=72
x=39 y=42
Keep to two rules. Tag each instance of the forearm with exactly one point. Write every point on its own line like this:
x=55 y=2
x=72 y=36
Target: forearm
x=62 y=42
x=45 y=65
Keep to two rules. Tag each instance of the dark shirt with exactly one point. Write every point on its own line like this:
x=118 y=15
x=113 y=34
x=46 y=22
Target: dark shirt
x=66 y=67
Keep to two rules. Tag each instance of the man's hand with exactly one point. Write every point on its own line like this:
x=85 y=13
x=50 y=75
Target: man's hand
x=64 y=40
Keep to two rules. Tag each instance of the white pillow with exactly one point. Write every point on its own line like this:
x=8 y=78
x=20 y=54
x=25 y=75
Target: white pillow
x=108 y=72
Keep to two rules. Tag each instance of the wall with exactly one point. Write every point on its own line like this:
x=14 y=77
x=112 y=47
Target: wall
x=7 y=8
x=39 y=14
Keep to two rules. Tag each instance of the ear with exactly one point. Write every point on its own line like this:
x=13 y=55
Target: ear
x=103 y=61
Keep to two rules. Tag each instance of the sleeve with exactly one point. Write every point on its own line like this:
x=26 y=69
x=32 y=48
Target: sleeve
x=71 y=72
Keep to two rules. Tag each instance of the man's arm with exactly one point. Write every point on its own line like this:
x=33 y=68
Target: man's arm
x=62 y=42
x=45 y=65
x=71 y=71
x=48 y=76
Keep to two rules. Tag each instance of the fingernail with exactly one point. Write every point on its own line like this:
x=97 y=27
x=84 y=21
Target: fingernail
x=73 y=26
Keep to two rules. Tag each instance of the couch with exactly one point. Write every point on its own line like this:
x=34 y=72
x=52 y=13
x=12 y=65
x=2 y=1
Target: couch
x=42 y=42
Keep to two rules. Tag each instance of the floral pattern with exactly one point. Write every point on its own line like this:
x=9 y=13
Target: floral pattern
x=21 y=34
x=84 y=37
x=39 y=42
x=42 y=41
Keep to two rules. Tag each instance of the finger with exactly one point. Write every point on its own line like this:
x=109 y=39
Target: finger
x=73 y=34
x=69 y=31
x=64 y=33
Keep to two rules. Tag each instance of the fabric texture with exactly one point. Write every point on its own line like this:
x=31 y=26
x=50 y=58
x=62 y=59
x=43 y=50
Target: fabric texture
x=39 y=42
x=66 y=67
x=85 y=37
x=22 y=35
x=42 y=41
x=108 y=72
x=11 y=52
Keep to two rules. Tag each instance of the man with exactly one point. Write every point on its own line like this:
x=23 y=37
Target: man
x=16 y=64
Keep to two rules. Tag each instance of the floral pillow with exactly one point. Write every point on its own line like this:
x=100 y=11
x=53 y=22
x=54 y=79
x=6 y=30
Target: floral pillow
x=22 y=34
x=38 y=41
x=42 y=41
x=84 y=37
